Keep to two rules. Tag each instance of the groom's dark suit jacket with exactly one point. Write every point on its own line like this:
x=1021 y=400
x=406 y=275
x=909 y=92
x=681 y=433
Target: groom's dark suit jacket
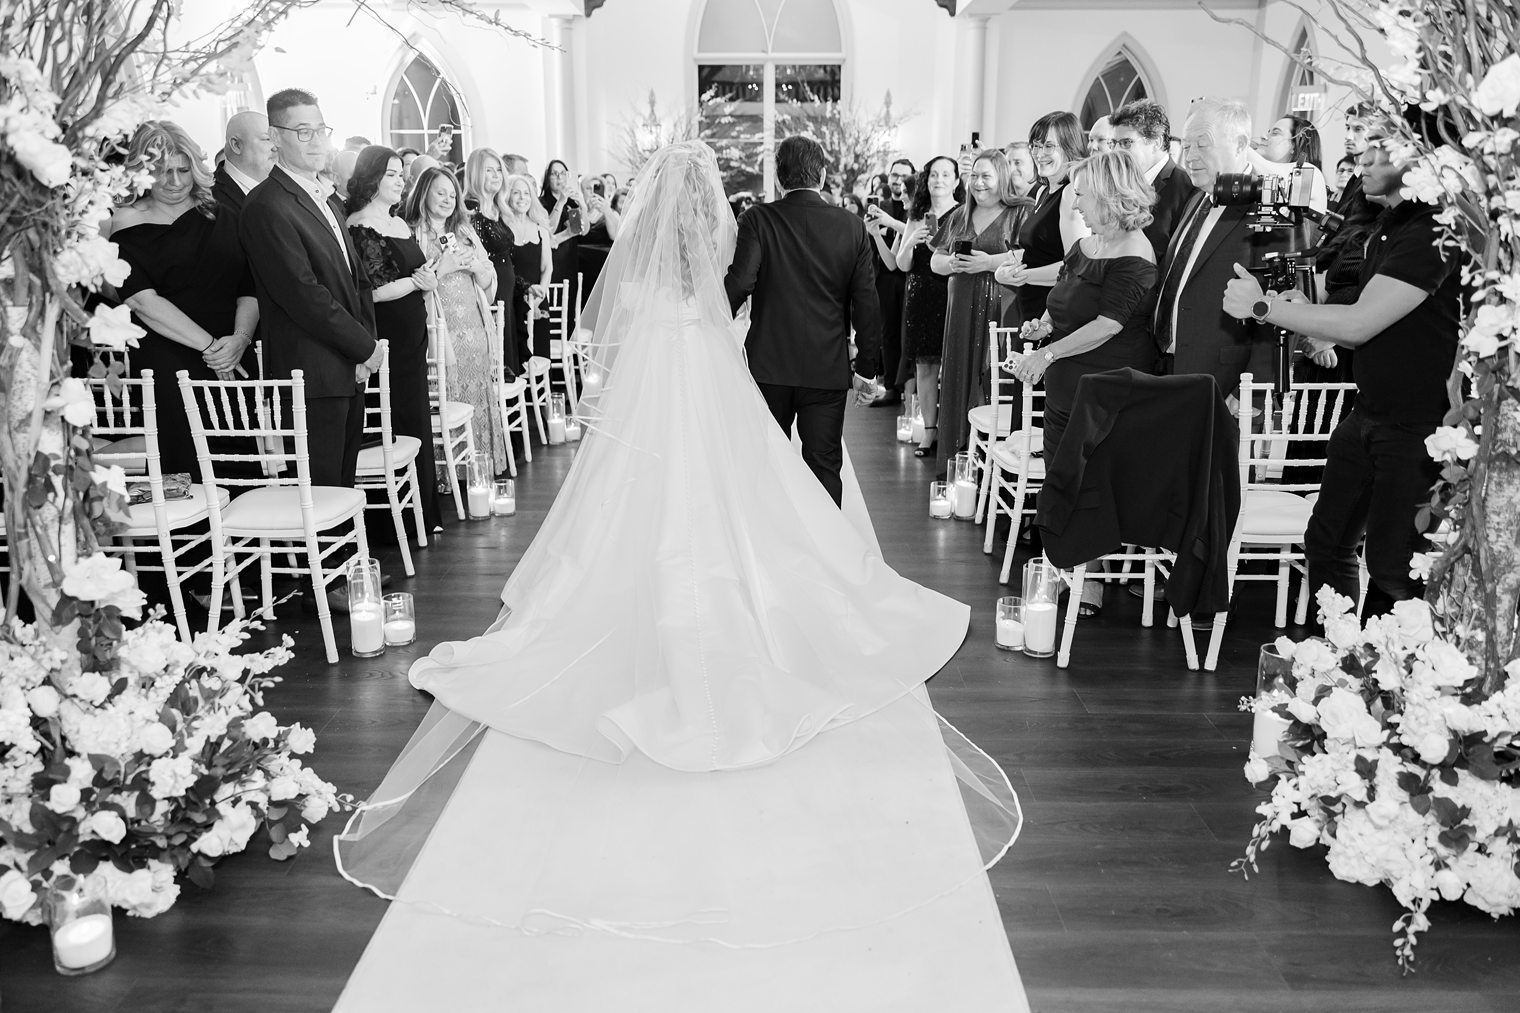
x=315 y=308
x=811 y=268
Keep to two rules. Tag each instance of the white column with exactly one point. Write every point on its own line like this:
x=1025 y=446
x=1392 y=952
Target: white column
x=975 y=81
x=563 y=133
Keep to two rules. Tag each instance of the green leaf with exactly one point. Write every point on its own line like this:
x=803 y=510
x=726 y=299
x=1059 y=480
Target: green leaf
x=277 y=832
x=201 y=875
x=1410 y=782
x=83 y=862
x=1448 y=776
x=1420 y=803
x=1447 y=812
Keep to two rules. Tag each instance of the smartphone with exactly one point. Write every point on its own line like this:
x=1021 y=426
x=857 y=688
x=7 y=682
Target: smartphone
x=573 y=219
x=976 y=140
x=931 y=222
x=873 y=202
x=961 y=247
x=446 y=242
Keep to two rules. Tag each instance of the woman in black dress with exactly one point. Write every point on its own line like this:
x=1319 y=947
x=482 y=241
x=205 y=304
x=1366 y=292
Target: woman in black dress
x=1057 y=142
x=568 y=222
x=189 y=286
x=485 y=189
x=598 y=240
x=937 y=194
x=401 y=275
x=532 y=262
x=1098 y=314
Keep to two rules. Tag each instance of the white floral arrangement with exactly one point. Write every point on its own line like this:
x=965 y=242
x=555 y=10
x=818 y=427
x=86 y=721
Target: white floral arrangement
x=137 y=758
x=1398 y=763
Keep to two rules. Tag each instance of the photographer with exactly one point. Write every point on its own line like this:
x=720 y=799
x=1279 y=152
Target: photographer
x=1404 y=327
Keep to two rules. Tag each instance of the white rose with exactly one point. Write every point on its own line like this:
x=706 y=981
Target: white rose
x=1257 y=771
x=43 y=701
x=1343 y=715
x=300 y=739
x=78 y=407
x=1303 y=710
x=1414 y=619
x=81 y=771
x=1499 y=92
x=261 y=726
x=1450 y=884
x=16 y=895
x=156 y=739
x=111 y=477
x=1443 y=665
x=106 y=825
x=1343 y=631
x=48 y=160
x=1432 y=746
x=99 y=578
x=1302 y=832
x=284 y=787
x=1316 y=656
x=63 y=797
x=316 y=809
x=1450 y=443
x=113 y=327
x=229 y=834
x=170 y=776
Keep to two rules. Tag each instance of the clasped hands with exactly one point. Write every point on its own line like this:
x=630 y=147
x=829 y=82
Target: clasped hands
x=1243 y=292
x=224 y=354
x=1030 y=368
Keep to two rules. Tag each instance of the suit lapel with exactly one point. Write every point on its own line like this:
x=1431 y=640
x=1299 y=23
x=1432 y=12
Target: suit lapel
x=309 y=205
x=1231 y=221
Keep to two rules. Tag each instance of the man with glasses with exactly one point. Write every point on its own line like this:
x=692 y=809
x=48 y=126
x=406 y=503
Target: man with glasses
x=1100 y=136
x=1141 y=129
x=314 y=295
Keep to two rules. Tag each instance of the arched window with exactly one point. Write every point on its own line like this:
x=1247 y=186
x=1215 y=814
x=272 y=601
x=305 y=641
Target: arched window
x=1118 y=80
x=1303 y=90
x=421 y=103
x=760 y=62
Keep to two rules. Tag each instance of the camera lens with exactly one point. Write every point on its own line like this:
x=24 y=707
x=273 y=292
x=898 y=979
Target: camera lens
x=1232 y=188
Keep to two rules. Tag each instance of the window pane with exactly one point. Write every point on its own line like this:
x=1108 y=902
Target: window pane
x=803 y=83
x=732 y=99
x=807 y=26
x=1119 y=82
x=423 y=101
x=731 y=26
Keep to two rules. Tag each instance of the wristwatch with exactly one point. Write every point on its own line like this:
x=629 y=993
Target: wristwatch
x=1261 y=307
x=1050 y=357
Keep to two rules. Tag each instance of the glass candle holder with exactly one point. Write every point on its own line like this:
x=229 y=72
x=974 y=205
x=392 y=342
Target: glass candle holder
x=572 y=430
x=366 y=609
x=555 y=421
x=400 y=619
x=79 y=919
x=1009 y=624
x=940 y=506
x=504 y=498
x=1274 y=685
x=964 y=492
x=1042 y=588
x=478 y=486
x=904 y=429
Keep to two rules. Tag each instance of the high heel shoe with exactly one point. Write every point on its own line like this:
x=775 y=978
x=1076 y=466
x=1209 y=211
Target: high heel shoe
x=928 y=450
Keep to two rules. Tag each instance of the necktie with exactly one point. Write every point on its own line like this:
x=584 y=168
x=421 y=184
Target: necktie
x=1163 y=322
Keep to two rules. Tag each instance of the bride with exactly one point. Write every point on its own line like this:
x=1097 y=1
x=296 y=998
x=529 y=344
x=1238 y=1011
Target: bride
x=694 y=598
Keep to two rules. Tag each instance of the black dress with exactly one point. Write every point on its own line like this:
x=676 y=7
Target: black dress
x=197 y=264
x=1119 y=288
x=527 y=263
x=1041 y=239
x=595 y=245
x=567 y=255
x=496 y=237
x=923 y=315
x=403 y=322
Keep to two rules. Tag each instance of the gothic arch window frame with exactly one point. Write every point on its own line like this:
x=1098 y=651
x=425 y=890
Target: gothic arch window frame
x=459 y=85
x=1127 y=46
x=768 y=59
x=1293 y=72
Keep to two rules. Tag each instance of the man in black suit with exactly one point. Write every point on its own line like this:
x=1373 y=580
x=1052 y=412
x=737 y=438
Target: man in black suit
x=1141 y=129
x=885 y=224
x=1191 y=328
x=807 y=265
x=250 y=154
x=314 y=296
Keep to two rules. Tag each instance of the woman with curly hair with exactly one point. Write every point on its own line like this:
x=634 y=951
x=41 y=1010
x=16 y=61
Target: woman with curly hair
x=189 y=287
x=1098 y=315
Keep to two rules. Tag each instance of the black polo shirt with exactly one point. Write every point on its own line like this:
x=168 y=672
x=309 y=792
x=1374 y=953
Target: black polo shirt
x=1401 y=373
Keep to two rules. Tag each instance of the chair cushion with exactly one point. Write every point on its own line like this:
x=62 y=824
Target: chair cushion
x=539 y=366
x=1271 y=513
x=403 y=452
x=129 y=453
x=178 y=512
x=1009 y=455
x=980 y=418
x=514 y=389
x=275 y=511
x=454 y=415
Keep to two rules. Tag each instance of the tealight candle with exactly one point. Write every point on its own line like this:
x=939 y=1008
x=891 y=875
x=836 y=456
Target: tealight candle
x=83 y=943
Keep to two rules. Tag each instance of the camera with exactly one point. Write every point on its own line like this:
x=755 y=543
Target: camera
x=1281 y=202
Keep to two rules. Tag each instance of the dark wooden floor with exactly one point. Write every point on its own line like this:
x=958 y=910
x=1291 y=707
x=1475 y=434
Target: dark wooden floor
x=1116 y=896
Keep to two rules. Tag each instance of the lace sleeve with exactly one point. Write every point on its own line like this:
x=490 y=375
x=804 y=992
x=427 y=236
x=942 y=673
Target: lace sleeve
x=376 y=254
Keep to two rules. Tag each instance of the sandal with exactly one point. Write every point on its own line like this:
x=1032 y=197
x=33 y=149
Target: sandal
x=1092 y=599
x=927 y=450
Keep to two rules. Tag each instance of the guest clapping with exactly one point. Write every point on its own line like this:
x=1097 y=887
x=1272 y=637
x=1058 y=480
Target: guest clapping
x=466 y=280
x=976 y=240
x=399 y=271
x=1056 y=141
x=189 y=286
x=935 y=196
x=1097 y=317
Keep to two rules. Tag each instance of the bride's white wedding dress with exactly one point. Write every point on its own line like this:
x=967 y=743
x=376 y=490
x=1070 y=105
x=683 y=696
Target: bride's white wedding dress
x=694 y=602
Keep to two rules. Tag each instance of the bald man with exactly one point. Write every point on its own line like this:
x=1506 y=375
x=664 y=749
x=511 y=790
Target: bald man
x=1101 y=137
x=250 y=150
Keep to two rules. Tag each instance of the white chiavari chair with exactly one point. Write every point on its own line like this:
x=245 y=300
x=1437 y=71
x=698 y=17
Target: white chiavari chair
x=391 y=465
x=280 y=512
x=453 y=428
x=561 y=353
x=511 y=394
x=126 y=417
x=1017 y=470
x=992 y=421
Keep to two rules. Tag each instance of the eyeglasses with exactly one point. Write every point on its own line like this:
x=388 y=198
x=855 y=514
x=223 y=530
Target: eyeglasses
x=1124 y=143
x=1042 y=146
x=304 y=134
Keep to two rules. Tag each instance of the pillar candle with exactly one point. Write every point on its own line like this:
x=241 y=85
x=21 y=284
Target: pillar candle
x=1267 y=731
x=556 y=430
x=1040 y=626
x=478 y=499
x=366 y=628
x=965 y=499
x=84 y=941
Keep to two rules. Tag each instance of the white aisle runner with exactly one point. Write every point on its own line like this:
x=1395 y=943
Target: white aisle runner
x=866 y=818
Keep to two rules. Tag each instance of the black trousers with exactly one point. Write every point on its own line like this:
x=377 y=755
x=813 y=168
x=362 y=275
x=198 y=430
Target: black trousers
x=819 y=415
x=334 y=432
x=1376 y=476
